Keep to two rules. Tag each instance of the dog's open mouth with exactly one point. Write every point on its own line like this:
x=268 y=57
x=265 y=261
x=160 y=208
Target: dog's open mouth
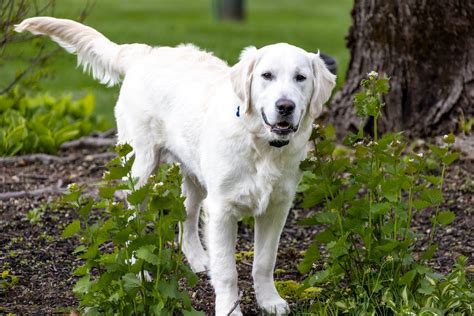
x=280 y=128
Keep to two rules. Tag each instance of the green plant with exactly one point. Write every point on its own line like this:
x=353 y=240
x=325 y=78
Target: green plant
x=465 y=124
x=41 y=123
x=7 y=281
x=126 y=245
x=34 y=215
x=370 y=194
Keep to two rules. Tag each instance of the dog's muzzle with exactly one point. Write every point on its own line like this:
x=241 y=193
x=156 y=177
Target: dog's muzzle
x=281 y=128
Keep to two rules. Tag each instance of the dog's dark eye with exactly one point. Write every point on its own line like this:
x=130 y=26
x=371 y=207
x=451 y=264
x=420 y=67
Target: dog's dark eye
x=267 y=76
x=300 y=78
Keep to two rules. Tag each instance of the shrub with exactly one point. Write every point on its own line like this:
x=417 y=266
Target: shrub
x=126 y=245
x=370 y=194
x=41 y=123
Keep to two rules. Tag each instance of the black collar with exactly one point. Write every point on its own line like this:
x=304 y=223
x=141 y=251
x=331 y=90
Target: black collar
x=278 y=143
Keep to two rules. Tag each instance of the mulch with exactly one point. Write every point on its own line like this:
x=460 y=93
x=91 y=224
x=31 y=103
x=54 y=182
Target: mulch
x=43 y=261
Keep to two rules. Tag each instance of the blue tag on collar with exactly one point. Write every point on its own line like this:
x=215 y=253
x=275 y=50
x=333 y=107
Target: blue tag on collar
x=238 y=111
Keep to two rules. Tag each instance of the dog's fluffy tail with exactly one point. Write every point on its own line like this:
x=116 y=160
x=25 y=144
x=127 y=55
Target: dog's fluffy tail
x=106 y=60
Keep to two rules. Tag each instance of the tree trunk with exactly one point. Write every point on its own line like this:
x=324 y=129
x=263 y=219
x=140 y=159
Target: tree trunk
x=427 y=48
x=229 y=9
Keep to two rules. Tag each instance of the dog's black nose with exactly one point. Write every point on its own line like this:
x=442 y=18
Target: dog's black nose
x=285 y=107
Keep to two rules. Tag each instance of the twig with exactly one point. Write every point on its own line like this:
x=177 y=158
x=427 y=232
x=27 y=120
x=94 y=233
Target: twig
x=56 y=189
x=89 y=142
x=106 y=134
x=37 y=60
x=45 y=159
x=237 y=302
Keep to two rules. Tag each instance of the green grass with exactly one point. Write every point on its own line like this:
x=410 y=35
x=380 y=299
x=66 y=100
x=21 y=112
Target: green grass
x=312 y=25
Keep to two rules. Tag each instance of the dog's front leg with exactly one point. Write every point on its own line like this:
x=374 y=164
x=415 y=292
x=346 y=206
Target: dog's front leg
x=268 y=227
x=222 y=234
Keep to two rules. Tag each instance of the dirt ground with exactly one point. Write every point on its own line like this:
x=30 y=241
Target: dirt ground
x=43 y=261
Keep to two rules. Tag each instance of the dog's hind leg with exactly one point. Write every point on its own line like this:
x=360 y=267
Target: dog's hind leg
x=189 y=230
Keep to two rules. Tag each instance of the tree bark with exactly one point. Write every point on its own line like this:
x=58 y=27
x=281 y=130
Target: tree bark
x=229 y=9
x=427 y=48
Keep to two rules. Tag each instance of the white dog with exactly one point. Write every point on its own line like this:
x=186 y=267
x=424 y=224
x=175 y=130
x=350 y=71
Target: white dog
x=239 y=133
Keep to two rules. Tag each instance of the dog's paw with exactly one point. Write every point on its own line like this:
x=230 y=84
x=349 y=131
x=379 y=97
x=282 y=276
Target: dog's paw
x=275 y=306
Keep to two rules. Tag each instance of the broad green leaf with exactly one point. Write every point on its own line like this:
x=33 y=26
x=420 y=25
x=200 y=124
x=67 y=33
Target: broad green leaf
x=85 y=209
x=429 y=252
x=421 y=204
x=380 y=208
x=131 y=282
x=312 y=254
x=450 y=158
x=330 y=132
x=313 y=196
x=438 y=150
x=193 y=312
x=72 y=229
x=338 y=248
x=445 y=217
x=80 y=248
x=123 y=149
x=407 y=278
x=382 y=85
x=83 y=285
x=434 y=196
x=326 y=217
x=425 y=288
x=138 y=196
x=387 y=246
x=146 y=253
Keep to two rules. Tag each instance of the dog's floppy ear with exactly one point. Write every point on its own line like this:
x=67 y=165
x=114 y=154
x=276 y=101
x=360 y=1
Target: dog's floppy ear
x=241 y=76
x=323 y=83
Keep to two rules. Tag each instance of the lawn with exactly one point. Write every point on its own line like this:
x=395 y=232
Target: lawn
x=312 y=25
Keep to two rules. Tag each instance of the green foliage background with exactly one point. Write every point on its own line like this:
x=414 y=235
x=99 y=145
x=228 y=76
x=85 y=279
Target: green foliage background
x=311 y=24
x=41 y=122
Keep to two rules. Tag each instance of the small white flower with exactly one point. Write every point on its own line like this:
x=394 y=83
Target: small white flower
x=360 y=143
x=72 y=186
x=315 y=126
x=178 y=164
x=420 y=155
x=313 y=159
x=389 y=258
x=373 y=74
x=411 y=160
x=157 y=185
x=395 y=143
x=445 y=137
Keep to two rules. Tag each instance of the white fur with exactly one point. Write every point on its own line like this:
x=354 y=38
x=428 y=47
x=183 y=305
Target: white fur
x=180 y=104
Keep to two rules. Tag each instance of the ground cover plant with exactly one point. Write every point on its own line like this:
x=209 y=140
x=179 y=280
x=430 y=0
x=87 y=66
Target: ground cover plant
x=41 y=122
x=132 y=260
x=371 y=190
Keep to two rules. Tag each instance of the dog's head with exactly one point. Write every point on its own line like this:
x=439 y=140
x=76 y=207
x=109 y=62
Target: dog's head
x=279 y=87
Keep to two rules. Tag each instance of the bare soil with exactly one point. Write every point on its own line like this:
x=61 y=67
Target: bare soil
x=43 y=261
